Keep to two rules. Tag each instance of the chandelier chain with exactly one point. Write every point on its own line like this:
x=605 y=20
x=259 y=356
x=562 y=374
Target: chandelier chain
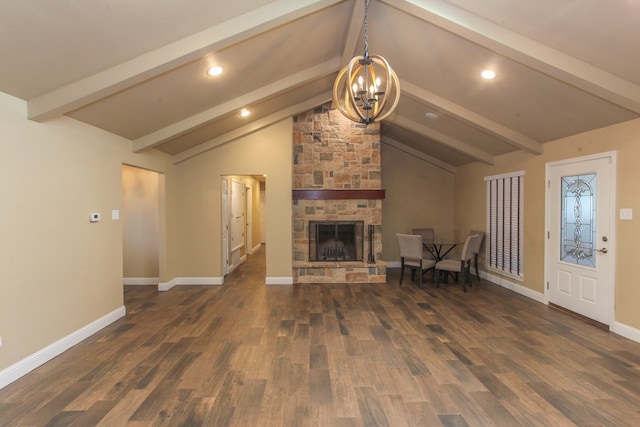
x=366 y=28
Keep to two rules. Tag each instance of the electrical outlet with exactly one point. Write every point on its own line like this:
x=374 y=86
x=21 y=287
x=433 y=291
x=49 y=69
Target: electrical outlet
x=626 y=214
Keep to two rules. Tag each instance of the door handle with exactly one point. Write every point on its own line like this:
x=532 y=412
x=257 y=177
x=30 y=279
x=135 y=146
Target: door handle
x=603 y=250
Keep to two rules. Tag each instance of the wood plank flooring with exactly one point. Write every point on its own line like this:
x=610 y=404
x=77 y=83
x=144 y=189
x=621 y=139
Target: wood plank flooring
x=245 y=354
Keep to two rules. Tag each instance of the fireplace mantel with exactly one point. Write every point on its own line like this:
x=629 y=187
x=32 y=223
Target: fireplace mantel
x=327 y=194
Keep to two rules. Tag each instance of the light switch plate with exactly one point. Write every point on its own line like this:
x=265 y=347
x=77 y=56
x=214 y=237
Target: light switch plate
x=115 y=214
x=626 y=214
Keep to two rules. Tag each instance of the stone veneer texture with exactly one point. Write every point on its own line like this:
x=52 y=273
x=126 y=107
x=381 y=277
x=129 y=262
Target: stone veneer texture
x=332 y=152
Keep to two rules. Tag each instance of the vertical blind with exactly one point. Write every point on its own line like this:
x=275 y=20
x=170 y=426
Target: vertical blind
x=504 y=223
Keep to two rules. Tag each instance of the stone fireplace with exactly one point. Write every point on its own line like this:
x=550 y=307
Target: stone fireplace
x=337 y=184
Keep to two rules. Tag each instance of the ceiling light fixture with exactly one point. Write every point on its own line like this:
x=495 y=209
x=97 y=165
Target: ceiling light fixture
x=430 y=115
x=216 y=70
x=244 y=112
x=367 y=89
x=488 y=74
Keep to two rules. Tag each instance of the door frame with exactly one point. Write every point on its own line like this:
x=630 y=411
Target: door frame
x=248 y=191
x=225 y=225
x=611 y=155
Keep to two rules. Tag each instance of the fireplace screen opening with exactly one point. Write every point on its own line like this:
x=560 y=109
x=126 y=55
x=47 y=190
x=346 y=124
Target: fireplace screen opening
x=336 y=240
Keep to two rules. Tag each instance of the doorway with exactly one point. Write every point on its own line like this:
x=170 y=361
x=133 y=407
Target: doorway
x=141 y=217
x=242 y=218
x=237 y=224
x=580 y=246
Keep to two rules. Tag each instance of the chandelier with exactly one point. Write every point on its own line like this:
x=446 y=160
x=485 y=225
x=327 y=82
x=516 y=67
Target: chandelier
x=367 y=89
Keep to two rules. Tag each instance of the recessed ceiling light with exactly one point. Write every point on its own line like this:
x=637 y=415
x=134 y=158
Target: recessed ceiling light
x=488 y=74
x=244 y=112
x=216 y=70
x=431 y=115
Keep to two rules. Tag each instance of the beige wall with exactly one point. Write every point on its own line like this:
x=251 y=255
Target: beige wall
x=60 y=272
x=198 y=203
x=140 y=218
x=418 y=195
x=625 y=139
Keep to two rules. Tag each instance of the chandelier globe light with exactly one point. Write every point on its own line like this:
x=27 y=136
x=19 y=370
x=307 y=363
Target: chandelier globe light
x=366 y=89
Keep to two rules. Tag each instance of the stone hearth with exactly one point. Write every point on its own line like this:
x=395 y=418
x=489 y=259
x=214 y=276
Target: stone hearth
x=334 y=153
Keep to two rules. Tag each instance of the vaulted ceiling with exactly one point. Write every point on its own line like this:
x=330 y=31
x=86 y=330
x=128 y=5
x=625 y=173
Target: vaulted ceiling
x=138 y=68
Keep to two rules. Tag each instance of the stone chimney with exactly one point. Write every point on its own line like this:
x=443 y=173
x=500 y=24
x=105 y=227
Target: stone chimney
x=337 y=176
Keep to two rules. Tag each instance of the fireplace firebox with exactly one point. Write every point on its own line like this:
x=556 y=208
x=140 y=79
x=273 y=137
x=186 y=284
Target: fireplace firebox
x=336 y=240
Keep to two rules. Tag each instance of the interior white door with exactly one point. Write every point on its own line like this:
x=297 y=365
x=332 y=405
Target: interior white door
x=225 y=226
x=580 y=247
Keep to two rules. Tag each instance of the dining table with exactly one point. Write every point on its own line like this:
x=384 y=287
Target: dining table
x=439 y=249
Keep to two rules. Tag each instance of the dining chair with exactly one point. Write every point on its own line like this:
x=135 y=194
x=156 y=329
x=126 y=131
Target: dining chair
x=428 y=237
x=411 y=255
x=477 y=245
x=459 y=266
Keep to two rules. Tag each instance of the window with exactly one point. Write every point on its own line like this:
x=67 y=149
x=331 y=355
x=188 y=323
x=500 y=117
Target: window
x=504 y=224
x=578 y=227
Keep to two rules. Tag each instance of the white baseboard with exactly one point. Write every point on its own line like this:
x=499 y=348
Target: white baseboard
x=185 y=281
x=278 y=281
x=29 y=363
x=522 y=290
x=625 y=331
x=212 y=281
x=616 y=327
x=256 y=247
x=140 y=281
x=165 y=286
x=537 y=296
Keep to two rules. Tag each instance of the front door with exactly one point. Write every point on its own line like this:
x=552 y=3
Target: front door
x=579 y=250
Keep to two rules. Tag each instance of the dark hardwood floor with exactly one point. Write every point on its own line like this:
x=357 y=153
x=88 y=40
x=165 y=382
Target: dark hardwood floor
x=244 y=354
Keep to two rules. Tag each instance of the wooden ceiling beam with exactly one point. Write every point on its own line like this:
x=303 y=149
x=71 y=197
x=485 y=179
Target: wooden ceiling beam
x=523 y=50
x=478 y=121
x=253 y=127
x=353 y=33
x=151 y=64
x=453 y=143
x=201 y=119
x=418 y=154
